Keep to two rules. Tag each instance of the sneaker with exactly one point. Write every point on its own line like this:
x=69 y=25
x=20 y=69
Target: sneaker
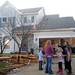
x=69 y=73
x=58 y=71
x=61 y=73
x=41 y=69
x=66 y=70
x=46 y=71
x=51 y=72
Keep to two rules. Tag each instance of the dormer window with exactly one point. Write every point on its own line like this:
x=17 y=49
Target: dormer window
x=4 y=19
x=0 y=20
x=25 y=19
x=32 y=19
x=28 y=19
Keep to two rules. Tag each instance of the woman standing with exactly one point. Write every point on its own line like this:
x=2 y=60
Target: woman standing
x=49 y=54
x=69 y=67
x=63 y=46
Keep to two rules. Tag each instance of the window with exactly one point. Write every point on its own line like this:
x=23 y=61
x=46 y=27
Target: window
x=0 y=21
x=4 y=19
x=25 y=19
x=0 y=37
x=29 y=19
x=32 y=18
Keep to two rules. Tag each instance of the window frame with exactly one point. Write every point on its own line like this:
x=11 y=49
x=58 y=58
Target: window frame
x=32 y=19
x=4 y=19
x=25 y=19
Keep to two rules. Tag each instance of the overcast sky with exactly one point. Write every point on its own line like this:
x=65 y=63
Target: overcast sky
x=61 y=7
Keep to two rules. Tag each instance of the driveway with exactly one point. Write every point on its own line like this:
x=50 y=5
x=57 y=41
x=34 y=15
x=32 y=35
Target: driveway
x=33 y=70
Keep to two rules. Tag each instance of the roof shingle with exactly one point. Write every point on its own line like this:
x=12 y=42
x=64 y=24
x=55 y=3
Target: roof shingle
x=55 y=22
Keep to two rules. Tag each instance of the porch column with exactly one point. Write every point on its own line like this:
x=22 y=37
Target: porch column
x=36 y=45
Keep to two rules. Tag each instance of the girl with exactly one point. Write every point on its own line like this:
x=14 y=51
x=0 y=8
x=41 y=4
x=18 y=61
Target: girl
x=60 y=59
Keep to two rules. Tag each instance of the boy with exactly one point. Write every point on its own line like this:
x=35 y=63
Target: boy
x=40 y=58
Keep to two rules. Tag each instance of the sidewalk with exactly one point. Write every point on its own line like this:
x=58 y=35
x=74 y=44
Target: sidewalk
x=33 y=70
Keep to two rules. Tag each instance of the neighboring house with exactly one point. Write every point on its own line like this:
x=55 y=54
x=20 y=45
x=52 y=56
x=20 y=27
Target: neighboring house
x=34 y=20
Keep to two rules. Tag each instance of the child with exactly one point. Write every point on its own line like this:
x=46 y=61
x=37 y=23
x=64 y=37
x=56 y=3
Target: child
x=40 y=58
x=69 y=68
x=60 y=59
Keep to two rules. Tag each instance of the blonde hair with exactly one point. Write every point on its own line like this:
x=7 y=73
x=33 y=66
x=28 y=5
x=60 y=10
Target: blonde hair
x=48 y=42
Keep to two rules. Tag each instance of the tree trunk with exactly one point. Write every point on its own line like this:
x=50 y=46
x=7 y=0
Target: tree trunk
x=18 y=61
x=1 y=50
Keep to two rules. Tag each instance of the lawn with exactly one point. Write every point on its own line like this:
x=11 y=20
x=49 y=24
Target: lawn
x=4 y=67
x=73 y=55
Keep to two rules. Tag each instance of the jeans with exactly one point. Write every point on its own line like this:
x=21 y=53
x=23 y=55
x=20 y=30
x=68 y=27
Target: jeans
x=48 y=65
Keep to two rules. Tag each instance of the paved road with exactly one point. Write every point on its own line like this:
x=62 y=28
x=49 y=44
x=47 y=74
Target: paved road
x=33 y=70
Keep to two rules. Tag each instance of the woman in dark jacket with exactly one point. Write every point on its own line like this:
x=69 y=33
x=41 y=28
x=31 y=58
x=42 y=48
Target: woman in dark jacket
x=69 y=67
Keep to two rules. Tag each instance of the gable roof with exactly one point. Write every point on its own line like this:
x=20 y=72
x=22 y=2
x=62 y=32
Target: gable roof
x=8 y=10
x=30 y=10
x=55 y=22
x=51 y=22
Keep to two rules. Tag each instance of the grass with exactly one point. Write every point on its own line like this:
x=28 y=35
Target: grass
x=4 y=68
x=73 y=55
x=5 y=54
x=3 y=65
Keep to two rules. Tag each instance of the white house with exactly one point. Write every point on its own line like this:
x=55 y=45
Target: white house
x=34 y=20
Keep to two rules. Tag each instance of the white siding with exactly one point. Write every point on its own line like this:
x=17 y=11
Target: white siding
x=30 y=43
x=8 y=10
x=40 y=16
x=13 y=47
x=59 y=34
x=37 y=17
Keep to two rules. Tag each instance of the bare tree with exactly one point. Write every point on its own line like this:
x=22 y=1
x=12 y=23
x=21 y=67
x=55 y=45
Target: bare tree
x=3 y=44
x=7 y=30
x=18 y=34
x=23 y=33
